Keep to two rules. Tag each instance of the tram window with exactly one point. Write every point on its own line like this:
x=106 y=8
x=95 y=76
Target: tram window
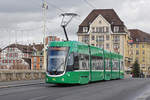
x=107 y=64
x=70 y=60
x=76 y=61
x=115 y=65
x=83 y=62
x=121 y=65
x=97 y=63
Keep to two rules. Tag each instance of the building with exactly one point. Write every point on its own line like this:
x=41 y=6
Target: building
x=140 y=49
x=51 y=38
x=103 y=28
x=14 y=55
x=37 y=59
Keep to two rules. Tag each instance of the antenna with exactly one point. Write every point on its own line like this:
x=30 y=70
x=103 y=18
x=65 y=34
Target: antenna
x=65 y=21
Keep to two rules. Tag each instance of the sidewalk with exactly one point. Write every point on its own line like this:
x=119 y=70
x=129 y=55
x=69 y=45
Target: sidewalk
x=20 y=83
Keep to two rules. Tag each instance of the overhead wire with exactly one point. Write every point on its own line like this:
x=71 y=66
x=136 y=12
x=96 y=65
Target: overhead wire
x=89 y=3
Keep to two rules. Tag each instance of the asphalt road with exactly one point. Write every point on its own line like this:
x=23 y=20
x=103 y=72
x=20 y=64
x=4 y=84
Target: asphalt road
x=127 y=89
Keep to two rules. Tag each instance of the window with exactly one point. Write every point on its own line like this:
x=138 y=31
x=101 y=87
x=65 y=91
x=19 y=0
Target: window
x=53 y=38
x=143 y=46
x=100 y=22
x=34 y=65
x=101 y=38
x=116 y=38
x=137 y=59
x=41 y=65
x=83 y=62
x=14 y=61
x=107 y=64
x=115 y=65
x=107 y=45
x=41 y=53
x=107 y=37
x=143 y=59
x=137 y=45
x=97 y=63
x=97 y=30
x=41 y=59
x=34 y=59
x=116 y=29
x=106 y=29
x=116 y=46
x=16 y=54
x=137 y=52
x=85 y=29
x=93 y=29
x=143 y=52
x=121 y=65
x=85 y=39
x=93 y=37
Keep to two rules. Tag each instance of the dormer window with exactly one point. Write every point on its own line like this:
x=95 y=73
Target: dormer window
x=85 y=29
x=100 y=22
x=116 y=29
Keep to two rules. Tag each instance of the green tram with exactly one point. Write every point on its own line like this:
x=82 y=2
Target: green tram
x=72 y=62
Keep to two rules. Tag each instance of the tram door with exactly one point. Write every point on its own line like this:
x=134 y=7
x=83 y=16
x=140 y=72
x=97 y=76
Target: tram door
x=97 y=68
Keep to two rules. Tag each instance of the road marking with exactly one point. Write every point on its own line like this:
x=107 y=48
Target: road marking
x=39 y=98
x=9 y=86
x=144 y=96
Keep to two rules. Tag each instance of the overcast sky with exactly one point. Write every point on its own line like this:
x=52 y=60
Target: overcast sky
x=21 y=20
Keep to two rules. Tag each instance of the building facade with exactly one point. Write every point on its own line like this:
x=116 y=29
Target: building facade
x=16 y=54
x=103 y=28
x=140 y=49
x=51 y=38
x=37 y=59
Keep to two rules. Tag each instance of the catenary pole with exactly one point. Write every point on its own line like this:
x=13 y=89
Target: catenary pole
x=44 y=7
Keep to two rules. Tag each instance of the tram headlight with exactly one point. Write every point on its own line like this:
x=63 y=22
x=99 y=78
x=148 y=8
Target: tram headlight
x=68 y=74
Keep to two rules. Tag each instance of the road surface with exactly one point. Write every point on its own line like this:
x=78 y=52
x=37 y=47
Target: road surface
x=126 y=89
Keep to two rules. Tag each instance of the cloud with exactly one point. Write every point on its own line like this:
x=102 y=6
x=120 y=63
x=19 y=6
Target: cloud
x=22 y=19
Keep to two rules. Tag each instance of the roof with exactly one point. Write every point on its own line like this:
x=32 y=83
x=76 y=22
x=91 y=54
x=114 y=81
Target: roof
x=109 y=14
x=23 y=48
x=139 y=36
x=38 y=47
x=65 y=43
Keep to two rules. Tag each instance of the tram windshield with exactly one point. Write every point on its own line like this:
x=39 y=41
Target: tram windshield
x=56 y=60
